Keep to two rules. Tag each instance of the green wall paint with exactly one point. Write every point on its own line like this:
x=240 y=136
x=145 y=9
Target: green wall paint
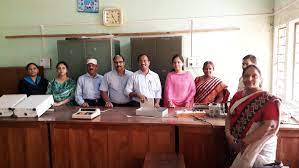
x=60 y=16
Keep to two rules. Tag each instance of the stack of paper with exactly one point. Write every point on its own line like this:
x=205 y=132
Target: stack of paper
x=148 y=109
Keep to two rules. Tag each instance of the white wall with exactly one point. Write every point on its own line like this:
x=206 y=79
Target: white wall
x=285 y=11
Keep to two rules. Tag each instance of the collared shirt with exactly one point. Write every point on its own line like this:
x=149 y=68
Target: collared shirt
x=149 y=85
x=88 y=87
x=115 y=85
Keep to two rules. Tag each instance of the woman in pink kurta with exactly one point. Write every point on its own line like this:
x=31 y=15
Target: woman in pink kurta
x=179 y=87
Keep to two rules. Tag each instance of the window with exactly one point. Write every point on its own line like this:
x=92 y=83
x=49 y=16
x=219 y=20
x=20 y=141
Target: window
x=295 y=94
x=279 y=62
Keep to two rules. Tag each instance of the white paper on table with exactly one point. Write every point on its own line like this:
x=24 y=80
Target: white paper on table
x=148 y=104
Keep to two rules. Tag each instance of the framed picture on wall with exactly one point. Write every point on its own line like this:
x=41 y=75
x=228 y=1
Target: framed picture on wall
x=88 y=6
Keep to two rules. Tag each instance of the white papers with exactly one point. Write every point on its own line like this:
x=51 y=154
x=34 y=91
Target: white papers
x=149 y=103
x=148 y=109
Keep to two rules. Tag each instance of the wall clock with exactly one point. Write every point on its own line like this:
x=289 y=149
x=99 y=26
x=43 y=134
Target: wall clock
x=112 y=17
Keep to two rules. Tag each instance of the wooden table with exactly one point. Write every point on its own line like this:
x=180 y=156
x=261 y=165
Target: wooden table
x=116 y=139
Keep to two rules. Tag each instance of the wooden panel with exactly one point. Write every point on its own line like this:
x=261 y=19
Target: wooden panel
x=24 y=145
x=98 y=148
x=161 y=139
x=37 y=147
x=202 y=146
x=79 y=146
x=138 y=142
x=127 y=146
x=4 y=158
x=60 y=147
x=106 y=35
x=118 y=147
x=16 y=147
x=164 y=160
x=288 y=147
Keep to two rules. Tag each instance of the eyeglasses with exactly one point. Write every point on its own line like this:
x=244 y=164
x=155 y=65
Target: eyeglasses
x=118 y=62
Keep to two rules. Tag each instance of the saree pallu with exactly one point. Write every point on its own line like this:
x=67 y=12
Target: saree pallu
x=207 y=91
x=250 y=111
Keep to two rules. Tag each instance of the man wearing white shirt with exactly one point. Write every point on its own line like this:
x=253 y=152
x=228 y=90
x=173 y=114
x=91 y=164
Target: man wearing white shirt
x=144 y=83
x=114 y=83
x=247 y=60
x=88 y=86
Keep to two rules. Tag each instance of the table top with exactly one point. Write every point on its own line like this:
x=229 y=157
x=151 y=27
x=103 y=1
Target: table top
x=126 y=115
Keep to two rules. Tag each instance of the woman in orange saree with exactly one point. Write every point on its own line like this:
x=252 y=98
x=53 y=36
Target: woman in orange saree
x=210 y=89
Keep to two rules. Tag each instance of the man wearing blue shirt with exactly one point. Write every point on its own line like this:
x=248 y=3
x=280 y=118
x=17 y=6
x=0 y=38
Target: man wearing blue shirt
x=114 y=83
x=88 y=86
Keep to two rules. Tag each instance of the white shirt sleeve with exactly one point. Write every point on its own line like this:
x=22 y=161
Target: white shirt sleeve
x=79 y=92
x=104 y=83
x=159 y=90
x=130 y=86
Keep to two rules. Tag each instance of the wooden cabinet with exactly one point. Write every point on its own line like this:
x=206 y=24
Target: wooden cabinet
x=161 y=139
x=79 y=146
x=92 y=145
x=24 y=145
x=202 y=146
x=288 y=147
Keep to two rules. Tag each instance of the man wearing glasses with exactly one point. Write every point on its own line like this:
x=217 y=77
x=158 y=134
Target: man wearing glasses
x=144 y=83
x=114 y=83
